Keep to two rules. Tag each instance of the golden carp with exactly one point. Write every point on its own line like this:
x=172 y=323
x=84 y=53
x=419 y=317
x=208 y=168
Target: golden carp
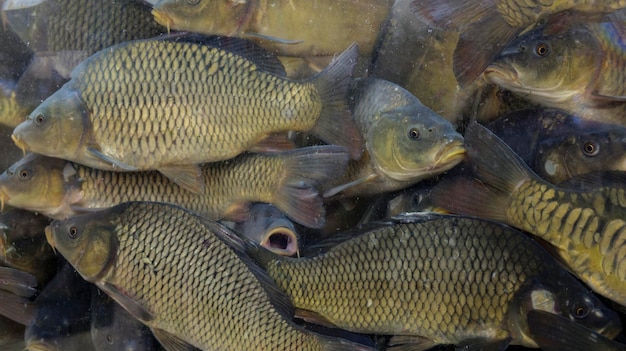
x=584 y=221
x=176 y=102
x=60 y=188
x=435 y=279
x=185 y=277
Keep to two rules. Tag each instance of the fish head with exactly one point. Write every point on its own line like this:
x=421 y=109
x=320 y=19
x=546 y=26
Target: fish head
x=88 y=242
x=563 y=297
x=413 y=143
x=548 y=67
x=221 y=17
x=35 y=183
x=595 y=147
x=57 y=127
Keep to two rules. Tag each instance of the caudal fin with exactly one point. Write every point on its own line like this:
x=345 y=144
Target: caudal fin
x=305 y=169
x=335 y=124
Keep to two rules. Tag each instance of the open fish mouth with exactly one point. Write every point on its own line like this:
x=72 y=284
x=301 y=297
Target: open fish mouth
x=162 y=18
x=281 y=240
x=19 y=143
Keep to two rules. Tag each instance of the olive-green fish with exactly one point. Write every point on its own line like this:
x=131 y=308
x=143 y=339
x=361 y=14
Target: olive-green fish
x=287 y=28
x=487 y=26
x=172 y=103
x=584 y=221
x=436 y=280
x=60 y=188
x=185 y=277
x=579 y=69
x=405 y=141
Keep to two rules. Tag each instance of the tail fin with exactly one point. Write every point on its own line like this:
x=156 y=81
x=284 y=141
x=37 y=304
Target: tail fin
x=335 y=124
x=499 y=172
x=305 y=169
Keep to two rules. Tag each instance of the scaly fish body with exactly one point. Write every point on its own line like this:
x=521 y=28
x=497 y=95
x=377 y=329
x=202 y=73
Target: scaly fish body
x=177 y=274
x=559 y=146
x=589 y=85
x=405 y=141
x=285 y=27
x=60 y=189
x=584 y=221
x=173 y=103
x=450 y=280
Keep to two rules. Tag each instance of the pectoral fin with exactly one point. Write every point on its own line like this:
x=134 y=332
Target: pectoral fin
x=187 y=176
x=132 y=306
x=99 y=156
x=170 y=341
x=338 y=189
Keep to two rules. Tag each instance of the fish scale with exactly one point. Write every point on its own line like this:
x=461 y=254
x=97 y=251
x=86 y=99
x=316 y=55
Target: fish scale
x=194 y=286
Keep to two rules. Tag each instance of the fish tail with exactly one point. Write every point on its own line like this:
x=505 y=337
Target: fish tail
x=305 y=170
x=335 y=124
x=498 y=171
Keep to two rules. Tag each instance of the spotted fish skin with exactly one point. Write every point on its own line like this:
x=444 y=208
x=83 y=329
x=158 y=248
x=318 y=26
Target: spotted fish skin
x=583 y=219
x=447 y=279
x=184 y=277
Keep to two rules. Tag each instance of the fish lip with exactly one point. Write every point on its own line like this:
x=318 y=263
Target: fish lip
x=163 y=18
x=292 y=245
x=50 y=237
x=19 y=143
x=611 y=329
x=454 y=151
x=4 y=198
x=38 y=346
x=500 y=73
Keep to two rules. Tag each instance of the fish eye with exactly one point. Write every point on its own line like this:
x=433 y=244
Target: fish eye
x=590 y=148
x=542 y=50
x=414 y=133
x=193 y=2
x=581 y=311
x=40 y=119
x=72 y=232
x=25 y=174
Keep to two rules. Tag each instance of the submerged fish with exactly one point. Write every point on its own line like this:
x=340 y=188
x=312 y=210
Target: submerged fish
x=16 y=292
x=405 y=141
x=176 y=102
x=195 y=263
x=60 y=188
x=559 y=146
x=436 y=280
x=11 y=335
x=488 y=26
x=555 y=333
x=288 y=28
x=61 y=320
x=590 y=84
x=270 y=227
x=584 y=221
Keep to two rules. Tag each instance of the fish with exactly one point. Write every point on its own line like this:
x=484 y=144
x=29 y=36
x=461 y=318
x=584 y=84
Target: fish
x=23 y=245
x=173 y=119
x=289 y=179
x=554 y=333
x=16 y=292
x=127 y=249
x=558 y=146
x=271 y=228
x=486 y=27
x=584 y=222
x=590 y=85
x=287 y=28
x=113 y=328
x=10 y=152
x=405 y=141
x=434 y=279
x=62 y=317
x=11 y=335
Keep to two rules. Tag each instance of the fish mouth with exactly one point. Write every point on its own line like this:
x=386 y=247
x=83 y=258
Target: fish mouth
x=162 y=18
x=452 y=154
x=50 y=238
x=502 y=74
x=19 y=143
x=4 y=198
x=39 y=346
x=281 y=240
x=611 y=329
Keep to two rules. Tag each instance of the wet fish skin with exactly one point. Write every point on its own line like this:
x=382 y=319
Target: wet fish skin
x=60 y=188
x=583 y=221
x=487 y=26
x=132 y=252
x=559 y=146
x=174 y=119
x=445 y=279
x=406 y=142
x=589 y=86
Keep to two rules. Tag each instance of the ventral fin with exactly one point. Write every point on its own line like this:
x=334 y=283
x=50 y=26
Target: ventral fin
x=170 y=341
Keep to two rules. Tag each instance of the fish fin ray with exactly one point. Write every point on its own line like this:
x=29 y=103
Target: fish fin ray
x=338 y=344
x=313 y=317
x=272 y=39
x=483 y=344
x=409 y=343
x=478 y=45
x=170 y=341
x=273 y=143
x=335 y=124
x=606 y=96
x=343 y=187
x=18 y=282
x=451 y=14
x=305 y=169
x=187 y=176
x=132 y=306
x=93 y=152
x=16 y=308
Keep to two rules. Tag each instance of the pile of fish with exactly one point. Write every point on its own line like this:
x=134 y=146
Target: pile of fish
x=314 y=175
